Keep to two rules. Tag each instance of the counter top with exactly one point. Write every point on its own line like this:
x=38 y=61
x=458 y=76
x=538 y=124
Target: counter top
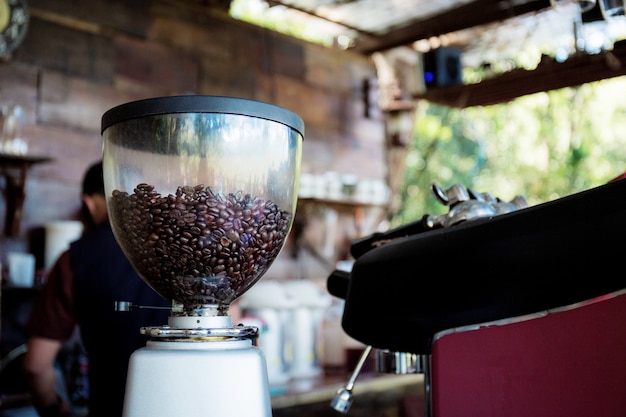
x=323 y=388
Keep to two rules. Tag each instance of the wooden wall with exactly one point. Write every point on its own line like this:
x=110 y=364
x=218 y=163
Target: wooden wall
x=81 y=58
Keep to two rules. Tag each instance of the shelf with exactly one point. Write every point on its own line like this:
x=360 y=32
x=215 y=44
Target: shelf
x=15 y=168
x=349 y=204
x=549 y=75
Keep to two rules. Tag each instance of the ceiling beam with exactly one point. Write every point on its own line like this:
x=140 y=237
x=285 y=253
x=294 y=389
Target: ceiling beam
x=470 y=15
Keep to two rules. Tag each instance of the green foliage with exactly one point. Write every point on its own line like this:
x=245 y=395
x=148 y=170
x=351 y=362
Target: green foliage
x=542 y=146
x=259 y=13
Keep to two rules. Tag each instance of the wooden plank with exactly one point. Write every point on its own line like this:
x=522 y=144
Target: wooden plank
x=316 y=106
x=129 y=16
x=153 y=64
x=213 y=38
x=68 y=101
x=218 y=78
x=71 y=51
x=18 y=86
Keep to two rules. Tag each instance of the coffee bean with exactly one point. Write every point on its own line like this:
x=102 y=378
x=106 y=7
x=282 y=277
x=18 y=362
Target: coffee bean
x=196 y=246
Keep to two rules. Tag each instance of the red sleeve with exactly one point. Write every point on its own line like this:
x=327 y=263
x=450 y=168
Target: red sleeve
x=52 y=315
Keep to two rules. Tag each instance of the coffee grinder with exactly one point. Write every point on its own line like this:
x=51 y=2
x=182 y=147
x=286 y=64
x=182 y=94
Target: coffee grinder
x=201 y=192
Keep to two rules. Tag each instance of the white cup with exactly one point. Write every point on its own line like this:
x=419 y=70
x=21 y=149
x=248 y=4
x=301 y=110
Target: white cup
x=59 y=235
x=21 y=269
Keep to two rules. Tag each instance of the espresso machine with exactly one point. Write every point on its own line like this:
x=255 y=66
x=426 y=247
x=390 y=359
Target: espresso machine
x=201 y=192
x=450 y=293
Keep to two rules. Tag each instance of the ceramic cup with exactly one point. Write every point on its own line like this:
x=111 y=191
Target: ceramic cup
x=21 y=268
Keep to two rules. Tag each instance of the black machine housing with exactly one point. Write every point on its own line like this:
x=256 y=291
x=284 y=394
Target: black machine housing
x=401 y=293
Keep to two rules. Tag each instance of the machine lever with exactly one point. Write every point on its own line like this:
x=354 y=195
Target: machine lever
x=128 y=306
x=343 y=398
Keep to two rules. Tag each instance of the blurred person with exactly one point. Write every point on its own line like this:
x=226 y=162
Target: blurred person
x=80 y=293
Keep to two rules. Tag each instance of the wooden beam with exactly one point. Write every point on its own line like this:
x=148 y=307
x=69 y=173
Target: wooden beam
x=549 y=75
x=470 y=15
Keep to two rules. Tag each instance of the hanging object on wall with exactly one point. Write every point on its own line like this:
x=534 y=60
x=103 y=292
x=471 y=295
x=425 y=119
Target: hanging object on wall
x=604 y=10
x=14 y=20
x=584 y=5
x=442 y=67
x=612 y=8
